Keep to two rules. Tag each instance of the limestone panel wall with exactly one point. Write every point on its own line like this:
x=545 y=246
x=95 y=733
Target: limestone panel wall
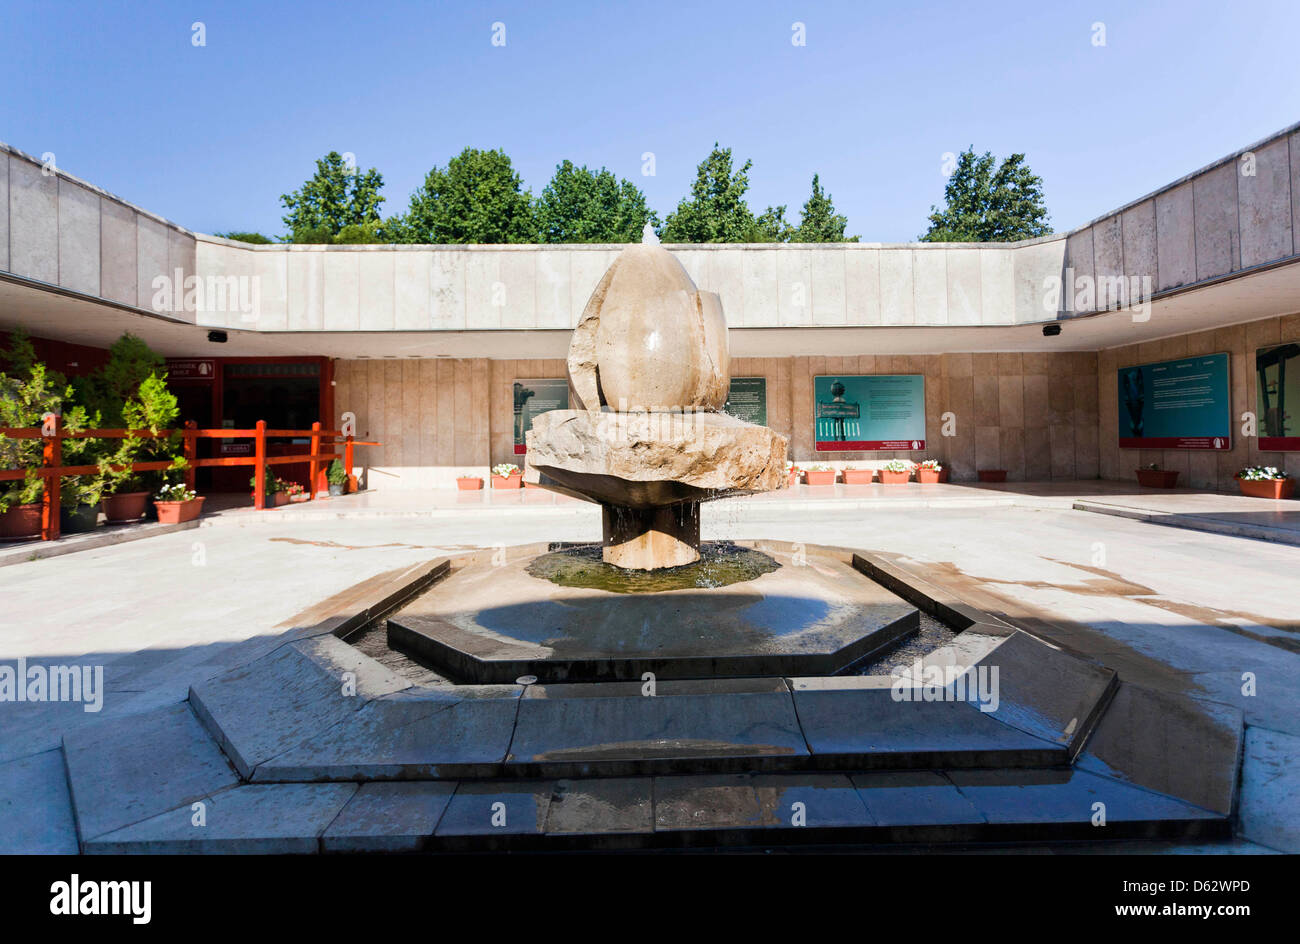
x=1035 y=415
x=458 y=288
x=64 y=232
x=1199 y=468
x=1239 y=213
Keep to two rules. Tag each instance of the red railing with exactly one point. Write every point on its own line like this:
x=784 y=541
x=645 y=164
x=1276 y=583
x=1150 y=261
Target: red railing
x=53 y=470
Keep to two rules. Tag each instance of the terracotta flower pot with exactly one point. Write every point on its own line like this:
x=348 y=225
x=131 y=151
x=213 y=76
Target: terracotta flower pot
x=858 y=476
x=281 y=498
x=993 y=475
x=929 y=476
x=792 y=479
x=125 y=506
x=79 y=520
x=894 y=478
x=1157 y=478
x=176 y=512
x=469 y=483
x=508 y=481
x=816 y=477
x=1276 y=489
x=353 y=484
x=21 y=522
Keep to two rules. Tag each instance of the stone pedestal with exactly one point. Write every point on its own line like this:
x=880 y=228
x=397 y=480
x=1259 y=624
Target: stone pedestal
x=649 y=538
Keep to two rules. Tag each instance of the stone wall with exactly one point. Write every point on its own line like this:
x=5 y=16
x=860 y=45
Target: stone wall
x=1033 y=414
x=1199 y=468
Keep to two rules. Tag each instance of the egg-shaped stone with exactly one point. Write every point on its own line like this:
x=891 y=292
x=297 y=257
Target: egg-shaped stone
x=649 y=340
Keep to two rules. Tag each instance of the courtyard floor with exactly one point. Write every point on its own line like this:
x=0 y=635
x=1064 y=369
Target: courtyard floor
x=1185 y=611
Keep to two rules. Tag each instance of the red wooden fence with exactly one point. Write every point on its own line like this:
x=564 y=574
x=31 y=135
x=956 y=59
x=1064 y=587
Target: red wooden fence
x=53 y=470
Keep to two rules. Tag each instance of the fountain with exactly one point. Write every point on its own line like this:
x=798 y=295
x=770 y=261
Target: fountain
x=650 y=691
x=649 y=370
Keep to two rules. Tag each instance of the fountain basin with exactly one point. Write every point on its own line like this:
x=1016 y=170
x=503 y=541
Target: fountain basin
x=808 y=614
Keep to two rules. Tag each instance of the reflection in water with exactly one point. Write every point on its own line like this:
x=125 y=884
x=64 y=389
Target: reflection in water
x=721 y=564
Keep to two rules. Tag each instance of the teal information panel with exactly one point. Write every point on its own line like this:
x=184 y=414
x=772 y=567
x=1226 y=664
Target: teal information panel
x=878 y=411
x=747 y=400
x=1182 y=404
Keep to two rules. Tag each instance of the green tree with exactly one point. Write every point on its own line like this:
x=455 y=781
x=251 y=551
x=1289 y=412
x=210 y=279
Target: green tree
x=28 y=391
x=716 y=211
x=105 y=391
x=584 y=206
x=984 y=204
x=338 y=195
x=255 y=238
x=819 y=223
x=477 y=198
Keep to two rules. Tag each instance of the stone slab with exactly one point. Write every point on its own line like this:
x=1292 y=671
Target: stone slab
x=125 y=771
x=1270 y=789
x=411 y=735
x=612 y=729
x=813 y=615
x=262 y=819
x=35 y=809
x=389 y=817
x=262 y=709
x=914 y=798
x=856 y=723
x=608 y=806
x=485 y=813
x=1069 y=800
x=1174 y=745
x=1047 y=692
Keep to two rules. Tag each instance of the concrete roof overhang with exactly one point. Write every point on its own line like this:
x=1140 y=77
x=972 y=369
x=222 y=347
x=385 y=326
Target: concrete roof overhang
x=1251 y=295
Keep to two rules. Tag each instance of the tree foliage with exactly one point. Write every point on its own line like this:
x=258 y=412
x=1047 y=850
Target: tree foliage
x=585 y=206
x=339 y=195
x=818 y=222
x=716 y=211
x=477 y=198
x=242 y=237
x=987 y=204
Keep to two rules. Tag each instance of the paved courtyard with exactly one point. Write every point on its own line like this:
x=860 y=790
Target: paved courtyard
x=1184 y=611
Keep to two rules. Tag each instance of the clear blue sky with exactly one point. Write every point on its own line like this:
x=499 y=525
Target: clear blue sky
x=210 y=137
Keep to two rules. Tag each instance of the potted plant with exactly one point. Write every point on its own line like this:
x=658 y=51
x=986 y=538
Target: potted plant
x=337 y=478
x=1265 y=481
x=929 y=472
x=29 y=392
x=895 y=472
x=177 y=504
x=295 y=492
x=151 y=407
x=81 y=496
x=468 y=483
x=275 y=488
x=507 y=475
x=858 y=476
x=1152 y=476
x=820 y=474
x=792 y=473
x=993 y=475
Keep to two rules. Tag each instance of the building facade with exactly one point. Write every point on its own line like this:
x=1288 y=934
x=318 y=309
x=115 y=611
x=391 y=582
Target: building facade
x=431 y=347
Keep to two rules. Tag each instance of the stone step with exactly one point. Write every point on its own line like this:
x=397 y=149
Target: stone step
x=739 y=810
